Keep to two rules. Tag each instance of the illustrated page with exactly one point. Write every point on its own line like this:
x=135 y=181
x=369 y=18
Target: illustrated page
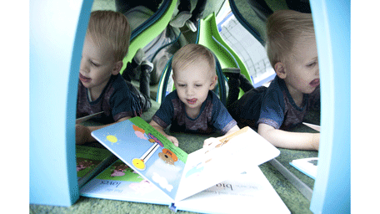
x=146 y=151
x=120 y=182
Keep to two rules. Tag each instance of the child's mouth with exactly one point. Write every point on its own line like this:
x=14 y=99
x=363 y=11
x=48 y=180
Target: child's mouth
x=314 y=83
x=192 y=101
x=83 y=78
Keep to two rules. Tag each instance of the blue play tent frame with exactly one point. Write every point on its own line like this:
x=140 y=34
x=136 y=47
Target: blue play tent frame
x=57 y=31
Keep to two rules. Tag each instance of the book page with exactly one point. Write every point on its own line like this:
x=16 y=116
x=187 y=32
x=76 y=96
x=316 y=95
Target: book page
x=242 y=192
x=146 y=151
x=91 y=160
x=236 y=154
x=120 y=182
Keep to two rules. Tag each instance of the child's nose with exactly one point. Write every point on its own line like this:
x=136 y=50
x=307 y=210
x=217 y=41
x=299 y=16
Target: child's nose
x=84 y=66
x=190 y=91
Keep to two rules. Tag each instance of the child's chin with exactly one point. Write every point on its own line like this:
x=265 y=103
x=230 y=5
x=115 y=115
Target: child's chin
x=310 y=90
x=193 y=105
x=86 y=85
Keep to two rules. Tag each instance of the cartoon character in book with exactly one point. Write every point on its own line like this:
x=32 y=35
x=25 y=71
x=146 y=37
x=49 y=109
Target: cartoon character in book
x=119 y=170
x=140 y=133
x=83 y=164
x=168 y=156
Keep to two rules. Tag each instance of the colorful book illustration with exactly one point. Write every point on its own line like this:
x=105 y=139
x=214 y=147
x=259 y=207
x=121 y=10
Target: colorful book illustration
x=91 y=161
x=246 y=191
x=174 y=172
x=308 y=166
x=120 y=182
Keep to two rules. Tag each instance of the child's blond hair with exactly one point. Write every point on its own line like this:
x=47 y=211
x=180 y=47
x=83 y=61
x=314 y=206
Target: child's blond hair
x=191 y=53
x=111 y=28
x=284 y=29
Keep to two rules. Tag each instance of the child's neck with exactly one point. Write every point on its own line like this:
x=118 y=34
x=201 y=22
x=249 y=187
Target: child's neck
x=296 y=95
x=192 y=112
x=95 y=92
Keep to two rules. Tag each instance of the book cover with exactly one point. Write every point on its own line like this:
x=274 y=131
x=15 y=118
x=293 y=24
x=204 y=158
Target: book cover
x=91 y=161
x=174 y=172
x=245 y=191
x=308 y=166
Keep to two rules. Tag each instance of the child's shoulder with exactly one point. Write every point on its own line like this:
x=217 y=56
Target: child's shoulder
x=276 y=92
x=213 y=96
x=214 y=102
x=119 y=87
x=277 y=86
x=170 y=100
x=118 y=81
x=172 y=95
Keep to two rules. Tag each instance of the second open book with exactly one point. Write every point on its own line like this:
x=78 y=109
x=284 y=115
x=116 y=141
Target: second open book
x=177 y=174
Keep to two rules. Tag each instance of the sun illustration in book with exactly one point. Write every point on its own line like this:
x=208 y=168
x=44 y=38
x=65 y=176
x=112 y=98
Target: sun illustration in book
x=111 y=138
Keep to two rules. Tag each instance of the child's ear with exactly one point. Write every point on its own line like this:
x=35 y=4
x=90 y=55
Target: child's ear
x=279 y=68
x=117 y=67
x=213 y=82
x=173 y=76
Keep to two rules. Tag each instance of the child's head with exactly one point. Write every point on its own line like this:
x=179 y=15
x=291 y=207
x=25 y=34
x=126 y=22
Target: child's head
x=292 y=49
x=112 y=29
x=106 y=44
x=194 y=74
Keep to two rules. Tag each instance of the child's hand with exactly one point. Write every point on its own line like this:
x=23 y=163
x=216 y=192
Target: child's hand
x=173 y=140
x=212 y=141
x=82 y=134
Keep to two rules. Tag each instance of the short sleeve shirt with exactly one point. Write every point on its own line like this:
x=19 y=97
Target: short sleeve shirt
x=278 y=108
x=213 y=115
x=116 y=100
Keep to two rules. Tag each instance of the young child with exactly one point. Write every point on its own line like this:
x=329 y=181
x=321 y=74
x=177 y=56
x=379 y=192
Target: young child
x=193 y=107
x=292 y=51
x=101 y=87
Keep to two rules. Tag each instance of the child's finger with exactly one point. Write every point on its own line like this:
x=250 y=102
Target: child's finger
x=173 y=140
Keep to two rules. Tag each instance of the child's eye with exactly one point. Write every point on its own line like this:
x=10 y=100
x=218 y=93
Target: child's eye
x=311 y=64
x=181 y=85
x=198 y=85
x=94 y=64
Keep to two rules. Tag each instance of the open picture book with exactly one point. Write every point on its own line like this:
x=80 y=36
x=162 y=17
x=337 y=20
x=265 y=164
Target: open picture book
x=242 y=192
x=176 y=174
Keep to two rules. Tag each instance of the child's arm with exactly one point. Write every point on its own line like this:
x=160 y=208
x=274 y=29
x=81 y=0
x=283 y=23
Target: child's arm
x=83 y=133
x=232 y=130
x=161 y=130
x=212 y=140
x=289 y=140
